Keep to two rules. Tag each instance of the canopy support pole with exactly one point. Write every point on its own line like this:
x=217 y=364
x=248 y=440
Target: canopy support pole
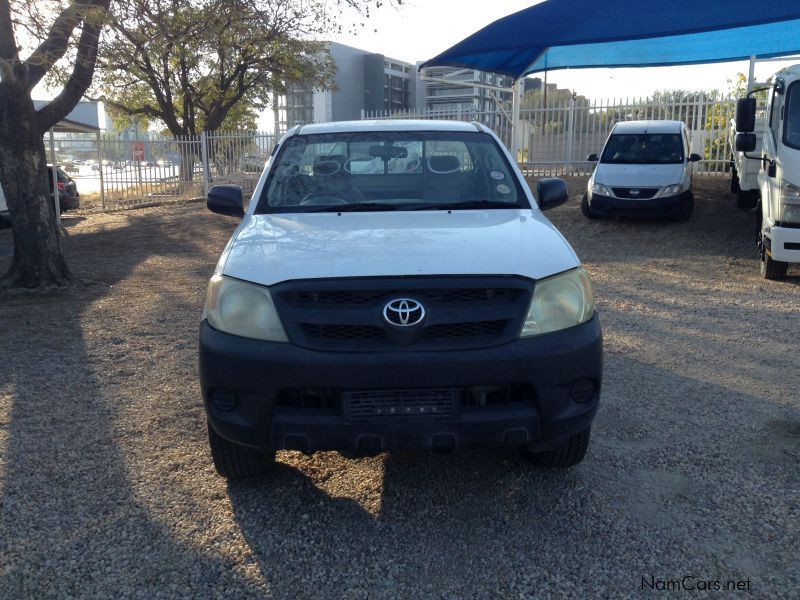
x=751 y=76
x=515 y=112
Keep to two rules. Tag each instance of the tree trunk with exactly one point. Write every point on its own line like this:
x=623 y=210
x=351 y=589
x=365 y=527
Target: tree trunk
x=38 y=259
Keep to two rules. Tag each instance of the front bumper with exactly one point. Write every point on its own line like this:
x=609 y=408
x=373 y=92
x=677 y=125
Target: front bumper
x=252 y=376
x=784 y=243
x=628 y=207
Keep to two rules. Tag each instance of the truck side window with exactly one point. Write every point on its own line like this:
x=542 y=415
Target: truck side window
x=791 y=117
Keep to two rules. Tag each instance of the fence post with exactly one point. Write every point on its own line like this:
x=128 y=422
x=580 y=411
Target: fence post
x=363 y=114
x=100 y=166
x=570 y=130
x=204 y=159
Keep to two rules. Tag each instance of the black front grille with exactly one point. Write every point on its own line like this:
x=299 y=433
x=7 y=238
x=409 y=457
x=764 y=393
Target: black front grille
x=380 y=406
x=342 y=332
x=348 y=314
x=463 y=330
x=323 y=298
x=635 y=193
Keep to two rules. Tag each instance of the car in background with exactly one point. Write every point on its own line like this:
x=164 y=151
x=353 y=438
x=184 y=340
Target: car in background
x=68 y=196
x=644 y=170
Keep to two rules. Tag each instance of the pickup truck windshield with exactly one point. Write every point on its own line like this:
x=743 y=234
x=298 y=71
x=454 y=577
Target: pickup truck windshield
x=378 y=171
x=643 y=149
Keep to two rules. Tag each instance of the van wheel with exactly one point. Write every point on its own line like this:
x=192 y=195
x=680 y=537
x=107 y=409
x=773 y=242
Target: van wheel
x=566 y=456
x=585 y=209
x=746 y=200
x=685 y=211
x=236 y=462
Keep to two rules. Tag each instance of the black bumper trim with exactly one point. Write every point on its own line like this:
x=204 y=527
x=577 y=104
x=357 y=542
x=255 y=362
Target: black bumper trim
x=257 y=371
x=650 y=207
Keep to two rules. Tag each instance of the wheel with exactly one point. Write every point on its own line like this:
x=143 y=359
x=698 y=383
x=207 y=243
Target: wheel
x=735 y=189
x=586 y=209
x=746 y=199
x=685 y=212
x=233 y=461
x=770 y=269
x=566 y=456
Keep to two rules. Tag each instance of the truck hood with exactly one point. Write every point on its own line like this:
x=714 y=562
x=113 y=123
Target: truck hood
x=270 y=249
x=638 y=175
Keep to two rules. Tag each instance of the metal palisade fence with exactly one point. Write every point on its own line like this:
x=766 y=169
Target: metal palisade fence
x=557 y=139
x=114 y=172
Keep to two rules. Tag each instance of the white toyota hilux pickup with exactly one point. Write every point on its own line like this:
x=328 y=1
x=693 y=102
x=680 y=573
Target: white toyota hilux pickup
x=395 y=285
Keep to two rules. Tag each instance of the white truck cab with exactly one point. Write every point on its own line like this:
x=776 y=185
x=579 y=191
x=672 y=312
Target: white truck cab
x=394 y=284
x=772 y=144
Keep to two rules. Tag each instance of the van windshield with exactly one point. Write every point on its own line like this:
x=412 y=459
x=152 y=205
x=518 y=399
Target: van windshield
x=643 y=149
x=390 y=171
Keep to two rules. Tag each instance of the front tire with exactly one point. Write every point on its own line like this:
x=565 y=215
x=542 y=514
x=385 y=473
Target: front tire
x=586 y=209
x=770 y=269
x=236 y=462
x=567 y=456
x=685 y=212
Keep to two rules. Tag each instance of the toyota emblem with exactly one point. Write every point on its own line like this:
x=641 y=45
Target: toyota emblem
x=403 y=312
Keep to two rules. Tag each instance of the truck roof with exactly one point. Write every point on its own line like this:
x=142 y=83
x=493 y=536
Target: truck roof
x=651 y=126
x=388 y=125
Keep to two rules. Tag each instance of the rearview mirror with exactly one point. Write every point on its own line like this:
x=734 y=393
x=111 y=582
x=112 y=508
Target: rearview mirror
x=551 y=192
x=226 y=200
x=695 y=158
x=745 y=142
x=745 y=115
x=592 y=158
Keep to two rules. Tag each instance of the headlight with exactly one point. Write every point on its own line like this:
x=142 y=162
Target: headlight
x=599 y=188
x=560 y=302
x=243 y=309
x=790 y=197
x=673 y=190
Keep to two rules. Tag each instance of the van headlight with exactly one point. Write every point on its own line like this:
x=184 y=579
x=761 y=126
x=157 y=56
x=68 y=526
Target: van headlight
x=243 y=309
x=599 y=189
x=560 y=302
x=674 y=190
x=790 y=196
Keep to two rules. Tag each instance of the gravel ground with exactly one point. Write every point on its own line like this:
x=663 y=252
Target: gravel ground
x=107 y=487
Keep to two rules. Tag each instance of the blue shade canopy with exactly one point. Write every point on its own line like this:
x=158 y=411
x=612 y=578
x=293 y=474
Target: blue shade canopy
x=560 y=34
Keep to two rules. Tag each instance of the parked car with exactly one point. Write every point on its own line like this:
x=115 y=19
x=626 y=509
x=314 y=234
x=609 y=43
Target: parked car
x=68 y=196
x=644 y=170
x=431 y=307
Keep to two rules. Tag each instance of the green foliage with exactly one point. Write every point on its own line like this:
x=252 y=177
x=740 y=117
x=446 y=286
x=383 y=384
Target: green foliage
x=190 y=64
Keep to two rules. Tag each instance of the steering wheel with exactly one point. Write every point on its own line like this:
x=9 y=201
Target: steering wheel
x=315 y=199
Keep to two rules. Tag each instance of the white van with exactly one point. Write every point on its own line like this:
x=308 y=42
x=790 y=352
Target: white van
x=643 y=171
x=395 y=285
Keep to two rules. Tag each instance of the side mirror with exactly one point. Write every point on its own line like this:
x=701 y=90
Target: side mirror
x=551 y=192
x=695 y=158
x=746 y=115
x=745 y=142
x=226 y=200
x=592 y=158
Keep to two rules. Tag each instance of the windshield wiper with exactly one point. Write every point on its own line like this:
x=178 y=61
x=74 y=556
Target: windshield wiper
x=468 y=204
x=356 y=207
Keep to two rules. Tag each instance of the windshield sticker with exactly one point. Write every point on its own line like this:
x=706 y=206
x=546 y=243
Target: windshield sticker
x=499 y=175
x=503 y=189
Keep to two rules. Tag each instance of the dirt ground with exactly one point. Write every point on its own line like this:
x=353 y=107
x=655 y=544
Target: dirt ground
x=107 y=487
